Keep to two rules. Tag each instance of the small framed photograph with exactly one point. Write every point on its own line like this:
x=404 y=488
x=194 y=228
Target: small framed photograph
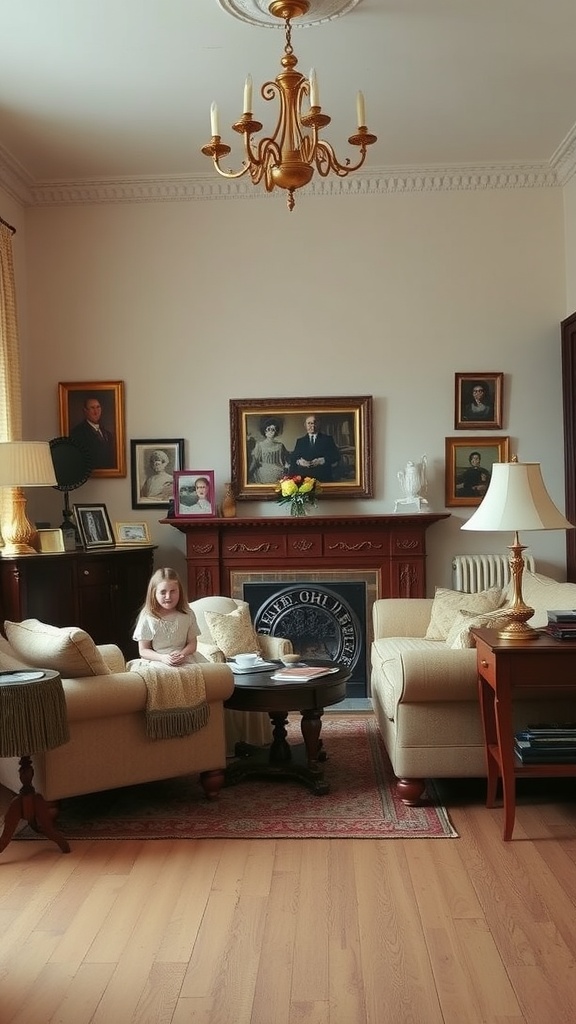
x=152 y=465
x=92 y=414
x=194 y=493
x=328 y=438
x=95 y=526
x=478 y=401
x=469 y=462
x=132 y=533
x=50 y=542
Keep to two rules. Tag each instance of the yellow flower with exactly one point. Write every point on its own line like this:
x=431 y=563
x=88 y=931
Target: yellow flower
x=307 y=485
x=288 y=488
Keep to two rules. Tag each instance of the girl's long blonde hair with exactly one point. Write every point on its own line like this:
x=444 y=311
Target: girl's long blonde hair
x=164 y=576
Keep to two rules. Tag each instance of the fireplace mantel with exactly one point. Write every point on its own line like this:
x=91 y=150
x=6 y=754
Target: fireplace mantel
x=392 y=545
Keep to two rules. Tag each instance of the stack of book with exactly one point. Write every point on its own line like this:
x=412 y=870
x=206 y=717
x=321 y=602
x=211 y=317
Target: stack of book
x=554 y=745
x=562 y=624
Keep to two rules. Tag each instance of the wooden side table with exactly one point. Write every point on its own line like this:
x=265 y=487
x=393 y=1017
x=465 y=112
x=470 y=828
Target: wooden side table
x=32 y=718
x=509 y=668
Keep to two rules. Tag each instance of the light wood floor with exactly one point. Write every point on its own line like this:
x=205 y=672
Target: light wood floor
x=446 y=931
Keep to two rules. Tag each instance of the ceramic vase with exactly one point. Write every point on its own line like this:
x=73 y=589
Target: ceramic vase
x=228 y=502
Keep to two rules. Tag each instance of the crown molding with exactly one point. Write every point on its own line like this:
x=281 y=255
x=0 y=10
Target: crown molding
x=179 y=188
x=563 y=160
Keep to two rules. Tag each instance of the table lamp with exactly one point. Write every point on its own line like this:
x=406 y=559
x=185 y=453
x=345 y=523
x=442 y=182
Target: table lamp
x=32 y=718
x=517 y=499
x=23 y=464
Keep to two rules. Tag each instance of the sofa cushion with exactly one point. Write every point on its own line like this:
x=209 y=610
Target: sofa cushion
x=544 y=594
x=459 y=635
x=67 y=650
x=213 y=603
x=447 y=603
x=233 y=633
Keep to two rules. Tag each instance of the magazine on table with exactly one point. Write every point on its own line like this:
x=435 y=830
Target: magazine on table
x=304 y=672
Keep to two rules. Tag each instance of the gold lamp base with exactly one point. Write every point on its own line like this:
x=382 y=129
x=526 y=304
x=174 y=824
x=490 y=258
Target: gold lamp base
x=518 y=611
x=18 y=532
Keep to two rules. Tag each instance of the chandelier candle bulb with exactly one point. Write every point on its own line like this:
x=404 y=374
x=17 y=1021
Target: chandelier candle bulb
x=248 y=95
x=361 y=110
x=214 y=127
x=314 y=93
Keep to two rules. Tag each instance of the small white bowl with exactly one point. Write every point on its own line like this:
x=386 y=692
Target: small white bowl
x=245 y=660
x=289 y=659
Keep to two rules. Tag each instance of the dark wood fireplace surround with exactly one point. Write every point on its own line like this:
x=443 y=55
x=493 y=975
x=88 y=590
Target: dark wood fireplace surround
x=392 y=545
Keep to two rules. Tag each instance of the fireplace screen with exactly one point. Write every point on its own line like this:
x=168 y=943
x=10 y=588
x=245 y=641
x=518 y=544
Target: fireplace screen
x=324 y=618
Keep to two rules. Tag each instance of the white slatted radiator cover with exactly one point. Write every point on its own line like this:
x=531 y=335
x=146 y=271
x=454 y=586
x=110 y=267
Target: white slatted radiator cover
x=472 y=573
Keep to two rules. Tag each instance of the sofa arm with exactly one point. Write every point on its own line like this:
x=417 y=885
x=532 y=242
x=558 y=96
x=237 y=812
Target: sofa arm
x=401 y=616
x=211 y=652
x=113 y=657
x=434 y=674
x=122 y=693
x=273 y=647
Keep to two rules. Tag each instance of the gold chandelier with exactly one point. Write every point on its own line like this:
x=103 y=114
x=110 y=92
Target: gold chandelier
x=287 y=159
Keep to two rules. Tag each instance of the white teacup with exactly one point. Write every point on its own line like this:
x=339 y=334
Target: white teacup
x=245 y=660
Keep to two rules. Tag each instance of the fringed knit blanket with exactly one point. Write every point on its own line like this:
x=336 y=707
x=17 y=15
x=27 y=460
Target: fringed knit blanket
x=176 y=704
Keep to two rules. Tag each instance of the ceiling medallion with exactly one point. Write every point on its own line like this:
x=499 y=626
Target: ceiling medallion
x=256 y=12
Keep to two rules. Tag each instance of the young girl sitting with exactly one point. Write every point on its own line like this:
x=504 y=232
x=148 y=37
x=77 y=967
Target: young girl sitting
x=166 y=629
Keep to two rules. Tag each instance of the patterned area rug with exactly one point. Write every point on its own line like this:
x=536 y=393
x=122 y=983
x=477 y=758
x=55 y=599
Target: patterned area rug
x=361 y=803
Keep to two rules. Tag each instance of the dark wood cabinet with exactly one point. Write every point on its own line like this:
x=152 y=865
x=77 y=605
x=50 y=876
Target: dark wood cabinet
x=101 y=591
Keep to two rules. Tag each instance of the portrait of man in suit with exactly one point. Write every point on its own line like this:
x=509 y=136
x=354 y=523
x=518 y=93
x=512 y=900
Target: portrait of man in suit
x=94 y=436
x=315 y=453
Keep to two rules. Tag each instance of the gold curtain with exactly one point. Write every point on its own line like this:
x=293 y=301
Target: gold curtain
x=10 y=380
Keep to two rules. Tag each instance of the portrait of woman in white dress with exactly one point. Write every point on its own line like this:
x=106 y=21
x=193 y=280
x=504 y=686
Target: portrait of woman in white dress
x=269 y=459
x=159 y=484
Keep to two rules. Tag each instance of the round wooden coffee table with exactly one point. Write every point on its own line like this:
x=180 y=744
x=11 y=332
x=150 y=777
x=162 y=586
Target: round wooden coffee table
x=257 y=691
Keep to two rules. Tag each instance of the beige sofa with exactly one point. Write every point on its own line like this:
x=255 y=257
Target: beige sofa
x=108 y=744
x=425 y=691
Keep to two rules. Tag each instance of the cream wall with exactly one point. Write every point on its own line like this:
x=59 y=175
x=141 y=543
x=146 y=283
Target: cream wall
x=194 y=303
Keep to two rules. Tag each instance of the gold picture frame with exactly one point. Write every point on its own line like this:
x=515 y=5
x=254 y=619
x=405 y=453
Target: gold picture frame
x=78 y=405
x=478 y=401
x=50 y=542
x=469 y=462
x=132 y=533
x=344 y=428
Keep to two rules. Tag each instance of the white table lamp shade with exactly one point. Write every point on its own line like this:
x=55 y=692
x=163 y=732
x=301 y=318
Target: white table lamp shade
x=26 y=464
x=23 y=464
x=516 y=500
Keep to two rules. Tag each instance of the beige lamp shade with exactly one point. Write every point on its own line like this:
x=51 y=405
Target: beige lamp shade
x=517 y=499
x=23 y=464
x=26 y=464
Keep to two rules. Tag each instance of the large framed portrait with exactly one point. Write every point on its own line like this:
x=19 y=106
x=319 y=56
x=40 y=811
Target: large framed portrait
x=478 y=401
x=469 y=462
x=152 y=465
x=92 y=414
x=327 y=438
x=194 y=493
x=95 y=526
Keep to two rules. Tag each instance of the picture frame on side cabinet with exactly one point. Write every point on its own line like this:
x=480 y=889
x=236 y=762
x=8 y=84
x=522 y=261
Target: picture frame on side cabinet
x=195 y=494
x=273 y=437
x=132 y=533
x=469 y=462
x=92 y=414
x=152 y=467
x=478 y=401
x=95 y=526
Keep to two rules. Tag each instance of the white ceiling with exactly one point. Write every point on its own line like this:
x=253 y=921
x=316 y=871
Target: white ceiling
x=96 y=89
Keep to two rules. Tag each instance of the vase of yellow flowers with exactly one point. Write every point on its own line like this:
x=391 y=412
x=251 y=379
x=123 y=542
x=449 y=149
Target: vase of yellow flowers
x=299 y=492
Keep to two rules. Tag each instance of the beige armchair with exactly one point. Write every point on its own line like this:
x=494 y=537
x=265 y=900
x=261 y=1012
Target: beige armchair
x=250 y=726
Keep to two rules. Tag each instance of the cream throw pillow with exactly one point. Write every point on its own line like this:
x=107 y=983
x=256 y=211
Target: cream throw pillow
x=69 y=650
x=233 y=633
x=460 y=637
x=447 y=603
